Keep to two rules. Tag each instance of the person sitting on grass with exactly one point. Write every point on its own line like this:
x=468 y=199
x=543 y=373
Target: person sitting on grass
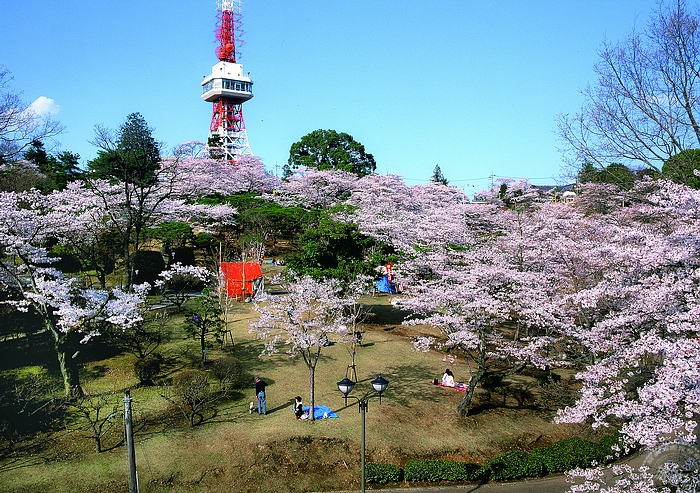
x=448 y=379
x=299 y=408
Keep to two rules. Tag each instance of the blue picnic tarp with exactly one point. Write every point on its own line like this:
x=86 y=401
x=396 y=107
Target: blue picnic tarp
x=321 y=412
x=385 y=286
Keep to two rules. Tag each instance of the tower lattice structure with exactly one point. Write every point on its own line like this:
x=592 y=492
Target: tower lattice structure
x=227 y=87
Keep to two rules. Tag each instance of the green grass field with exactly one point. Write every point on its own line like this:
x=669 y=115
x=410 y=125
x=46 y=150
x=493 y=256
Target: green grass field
x=236 y=451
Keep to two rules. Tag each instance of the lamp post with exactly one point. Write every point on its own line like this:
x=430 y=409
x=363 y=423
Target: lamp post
x=379 y=385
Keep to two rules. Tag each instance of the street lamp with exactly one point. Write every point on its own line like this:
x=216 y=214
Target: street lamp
x=379 y=385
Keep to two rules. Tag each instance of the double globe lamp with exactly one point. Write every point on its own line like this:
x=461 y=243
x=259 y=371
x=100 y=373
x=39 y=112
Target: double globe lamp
x=379 y=385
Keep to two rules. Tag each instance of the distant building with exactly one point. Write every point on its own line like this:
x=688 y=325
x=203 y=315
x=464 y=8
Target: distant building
x=559 y=193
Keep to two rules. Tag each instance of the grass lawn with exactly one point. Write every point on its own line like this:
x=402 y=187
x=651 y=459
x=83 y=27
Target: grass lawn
x=236 y=451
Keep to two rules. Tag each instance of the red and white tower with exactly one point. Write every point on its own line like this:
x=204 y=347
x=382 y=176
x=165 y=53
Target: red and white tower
x=227 y=88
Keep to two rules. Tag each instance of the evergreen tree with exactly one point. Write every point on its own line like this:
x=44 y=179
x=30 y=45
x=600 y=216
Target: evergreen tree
x=438 y=177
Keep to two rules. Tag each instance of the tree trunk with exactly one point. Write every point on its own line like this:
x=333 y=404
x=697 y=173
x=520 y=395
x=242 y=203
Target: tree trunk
x=126 y=251
x=68 y=366
x=312 y=371
x=202 y=341
x=463 y=408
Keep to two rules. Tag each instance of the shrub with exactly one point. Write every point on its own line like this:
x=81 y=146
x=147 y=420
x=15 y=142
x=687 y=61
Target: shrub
x=192 y=395
x=556 y=395
x=562 y=456
x=515 y=465
x=228 y=371
x=148 y=264
x=422 y=470
x=551 y=459
x=442 y=470
x=382 y=473
x=183 y=255
x=544 y=376
x=570 y=453
x=148 y=367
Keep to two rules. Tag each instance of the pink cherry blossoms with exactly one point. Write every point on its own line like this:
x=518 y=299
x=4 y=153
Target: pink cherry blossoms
x=303 y=321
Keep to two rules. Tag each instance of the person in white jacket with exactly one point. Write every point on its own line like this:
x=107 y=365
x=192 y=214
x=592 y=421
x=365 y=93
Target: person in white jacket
x=448 y=379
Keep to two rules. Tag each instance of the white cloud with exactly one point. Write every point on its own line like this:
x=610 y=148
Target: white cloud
x=44 y=106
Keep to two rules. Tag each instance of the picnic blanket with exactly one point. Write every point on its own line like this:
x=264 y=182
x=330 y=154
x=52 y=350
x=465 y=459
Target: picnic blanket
x=321 y=412
x=462 y=387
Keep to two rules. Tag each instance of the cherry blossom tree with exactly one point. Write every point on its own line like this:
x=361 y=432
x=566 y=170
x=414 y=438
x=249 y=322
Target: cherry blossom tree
x=179 y=280
x=641 y=324
x=312 y=189
x=200 y=176
x=487 y=303
x=71 y=314
x=138 y=189
x=301 y=321
x=78 y=221
x=130 y=209
x=387 y=210
x=626 y=292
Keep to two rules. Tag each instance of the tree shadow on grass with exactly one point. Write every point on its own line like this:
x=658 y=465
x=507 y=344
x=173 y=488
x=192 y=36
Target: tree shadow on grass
x=249 y=354
x=35 y=349
x=388 y=315
x=92 y=373
x=286 y=405
x=413 y=383
x=408 y=384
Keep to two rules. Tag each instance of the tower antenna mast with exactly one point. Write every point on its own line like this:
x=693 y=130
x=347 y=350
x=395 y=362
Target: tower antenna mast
x=227 y=88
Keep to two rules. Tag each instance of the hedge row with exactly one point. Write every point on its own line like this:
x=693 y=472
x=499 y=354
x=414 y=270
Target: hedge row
x=562 y=456
x=382 y=473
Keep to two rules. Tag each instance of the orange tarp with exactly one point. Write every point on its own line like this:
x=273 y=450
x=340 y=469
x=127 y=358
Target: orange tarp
x=240 y=277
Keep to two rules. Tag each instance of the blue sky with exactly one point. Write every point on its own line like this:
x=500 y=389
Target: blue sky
x=471 y=86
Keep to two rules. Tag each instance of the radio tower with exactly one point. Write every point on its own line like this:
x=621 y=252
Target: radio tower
x=227 y=88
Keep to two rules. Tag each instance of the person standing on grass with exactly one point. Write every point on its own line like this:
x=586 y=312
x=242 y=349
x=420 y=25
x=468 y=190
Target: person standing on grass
x=260 y=395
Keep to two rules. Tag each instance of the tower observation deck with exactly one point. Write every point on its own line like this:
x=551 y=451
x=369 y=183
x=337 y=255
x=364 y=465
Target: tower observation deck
x=228 y=88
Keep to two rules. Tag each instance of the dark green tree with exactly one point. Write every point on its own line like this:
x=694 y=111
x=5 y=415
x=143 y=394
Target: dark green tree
x=215 y=147
x=172 y=234
x=681 y=168
x=613 y=174
x=134 y=157
x=36 y=154
x=330 y=150
x=130 y=157
x=59 y=170
x=205 y=319
x=438 y=177
x=333 y=249
x=266 y=219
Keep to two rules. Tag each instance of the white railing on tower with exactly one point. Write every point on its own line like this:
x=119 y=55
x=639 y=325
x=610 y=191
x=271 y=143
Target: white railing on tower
x=233 y=5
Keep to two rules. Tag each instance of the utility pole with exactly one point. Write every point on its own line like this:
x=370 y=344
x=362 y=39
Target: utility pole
x=130 y=454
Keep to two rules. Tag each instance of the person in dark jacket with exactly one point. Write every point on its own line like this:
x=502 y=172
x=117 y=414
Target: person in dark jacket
x=260 y=395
